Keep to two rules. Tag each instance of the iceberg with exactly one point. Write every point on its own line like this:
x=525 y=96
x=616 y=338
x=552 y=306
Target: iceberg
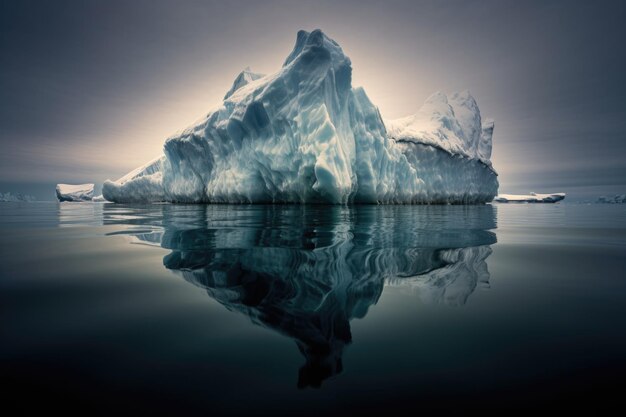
x=615 y=199
x=529 y=198
x=74 y=192
x=9 y=197
x=305 y=135
x=245 y=77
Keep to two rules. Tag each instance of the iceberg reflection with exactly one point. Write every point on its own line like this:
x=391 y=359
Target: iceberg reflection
x=306 y=271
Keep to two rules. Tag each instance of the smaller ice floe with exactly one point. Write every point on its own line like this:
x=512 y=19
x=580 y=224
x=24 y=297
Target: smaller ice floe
x=616 y=199
x=99 y=199
x=530 y=198
x=10 y=197
x=74 y=192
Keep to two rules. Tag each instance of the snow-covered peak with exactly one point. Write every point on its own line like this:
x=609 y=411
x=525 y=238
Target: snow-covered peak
x=450 y=122
x=315 y=43
x=468 y=115
x=245 y=77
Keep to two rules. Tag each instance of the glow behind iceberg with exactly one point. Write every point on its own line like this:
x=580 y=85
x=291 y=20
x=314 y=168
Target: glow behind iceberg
x=304 y=135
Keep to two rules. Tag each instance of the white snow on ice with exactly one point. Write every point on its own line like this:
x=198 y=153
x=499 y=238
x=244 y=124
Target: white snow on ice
x=74 y=192
x=529 y=198
x=452 y=123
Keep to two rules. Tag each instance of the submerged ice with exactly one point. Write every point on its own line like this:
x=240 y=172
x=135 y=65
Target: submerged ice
x=304 y=135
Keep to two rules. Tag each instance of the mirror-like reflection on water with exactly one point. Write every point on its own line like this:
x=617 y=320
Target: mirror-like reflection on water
x=381 y=307
x=305 y=272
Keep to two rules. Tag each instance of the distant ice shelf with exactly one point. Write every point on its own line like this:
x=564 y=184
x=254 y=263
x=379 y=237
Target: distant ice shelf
x=614 y=199
x=305 y=135
x=529 y=198
x=9 y=197
x=74 y=192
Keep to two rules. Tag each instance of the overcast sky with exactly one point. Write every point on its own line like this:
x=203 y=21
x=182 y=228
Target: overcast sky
x=90 y=89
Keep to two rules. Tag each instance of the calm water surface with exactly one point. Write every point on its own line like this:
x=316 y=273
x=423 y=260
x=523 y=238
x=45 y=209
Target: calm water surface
x=290 y=310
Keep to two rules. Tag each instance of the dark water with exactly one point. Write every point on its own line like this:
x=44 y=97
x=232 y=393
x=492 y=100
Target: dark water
x=289 y=310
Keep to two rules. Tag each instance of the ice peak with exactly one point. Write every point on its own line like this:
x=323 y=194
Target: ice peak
x=301 y=38
x=315 y=44
x=245 y=77
x=437 y=97
x=451 y=122
x=464 y=100
x=463 y=95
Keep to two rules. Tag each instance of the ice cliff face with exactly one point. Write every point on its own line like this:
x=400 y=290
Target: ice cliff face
x=304 y=135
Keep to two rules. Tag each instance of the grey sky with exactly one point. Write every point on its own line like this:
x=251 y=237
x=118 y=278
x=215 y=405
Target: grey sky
x=91 y=89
